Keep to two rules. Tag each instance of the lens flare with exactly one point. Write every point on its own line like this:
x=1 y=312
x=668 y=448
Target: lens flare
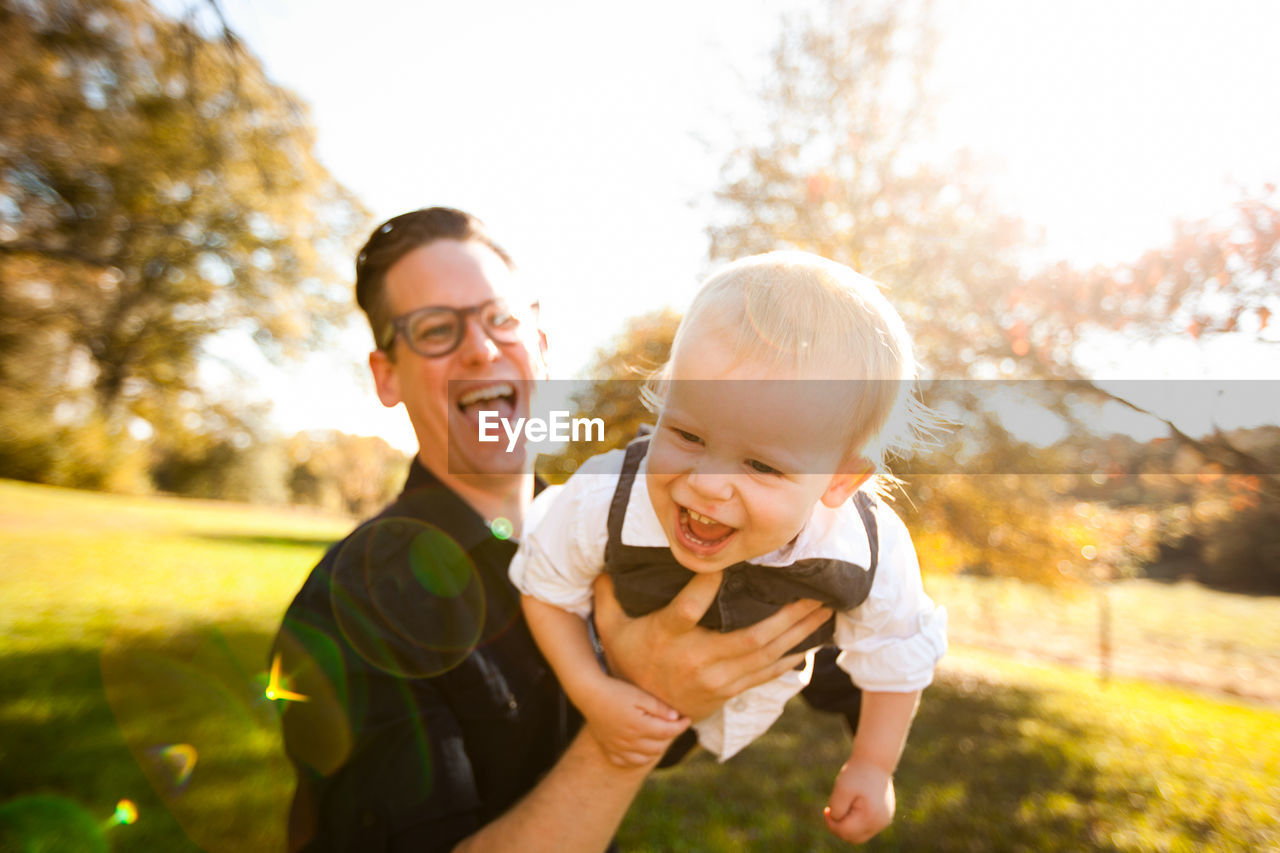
x=174 y=762
x=502 y=528
x=191 y=700
x=275 y=688
x=408 y=598
x=126 y=813
x=319 y=731
x=48 y=822
x=312 y=663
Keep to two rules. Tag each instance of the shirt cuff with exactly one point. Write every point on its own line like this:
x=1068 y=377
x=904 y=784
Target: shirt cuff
x=898 y=664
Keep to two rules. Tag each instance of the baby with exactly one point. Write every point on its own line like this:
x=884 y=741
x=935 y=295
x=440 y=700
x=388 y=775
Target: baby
x=785 y=385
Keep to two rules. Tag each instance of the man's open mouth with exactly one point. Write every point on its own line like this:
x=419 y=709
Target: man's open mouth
x=500 y=397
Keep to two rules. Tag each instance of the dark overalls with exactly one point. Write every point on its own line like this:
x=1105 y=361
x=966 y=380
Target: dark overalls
x=647 y=578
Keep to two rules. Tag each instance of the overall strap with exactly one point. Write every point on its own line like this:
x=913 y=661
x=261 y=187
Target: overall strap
x=622 y=493
x=867 y=509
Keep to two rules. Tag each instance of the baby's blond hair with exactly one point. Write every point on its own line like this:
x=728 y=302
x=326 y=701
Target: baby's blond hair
x=801 y=313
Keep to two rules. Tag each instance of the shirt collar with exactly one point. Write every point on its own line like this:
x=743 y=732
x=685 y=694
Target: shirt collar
x=425 y=491
x=830 y=533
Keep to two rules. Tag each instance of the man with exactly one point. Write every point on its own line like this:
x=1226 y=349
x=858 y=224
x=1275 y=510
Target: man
x=418 y=712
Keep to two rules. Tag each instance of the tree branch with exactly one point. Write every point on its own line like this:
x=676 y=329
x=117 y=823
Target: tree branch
x=1219 y=449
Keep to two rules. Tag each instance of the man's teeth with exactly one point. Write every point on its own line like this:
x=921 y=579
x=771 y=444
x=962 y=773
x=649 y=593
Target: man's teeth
x=489 y=392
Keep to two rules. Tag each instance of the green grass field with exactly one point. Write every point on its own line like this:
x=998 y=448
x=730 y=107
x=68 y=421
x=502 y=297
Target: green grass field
x=135 y=633
x=1178 y=633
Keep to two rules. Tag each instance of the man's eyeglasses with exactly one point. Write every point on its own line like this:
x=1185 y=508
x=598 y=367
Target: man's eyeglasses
x=437 y=330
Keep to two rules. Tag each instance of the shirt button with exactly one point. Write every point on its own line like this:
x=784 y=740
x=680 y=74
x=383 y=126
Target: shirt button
x=739 y=704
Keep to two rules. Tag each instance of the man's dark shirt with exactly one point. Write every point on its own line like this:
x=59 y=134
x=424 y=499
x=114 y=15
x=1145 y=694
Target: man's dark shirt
x=429 y=710
x=426 y=709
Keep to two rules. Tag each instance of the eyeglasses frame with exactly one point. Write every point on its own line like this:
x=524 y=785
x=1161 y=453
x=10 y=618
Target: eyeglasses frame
x=399 y=325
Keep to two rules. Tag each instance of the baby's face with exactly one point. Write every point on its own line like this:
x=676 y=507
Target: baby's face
x=742 y=454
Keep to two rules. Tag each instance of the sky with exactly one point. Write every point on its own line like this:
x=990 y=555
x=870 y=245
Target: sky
x=589 y=137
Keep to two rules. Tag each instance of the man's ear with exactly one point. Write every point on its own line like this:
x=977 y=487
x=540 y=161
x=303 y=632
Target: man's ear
x=385 y=378
x=852 y=474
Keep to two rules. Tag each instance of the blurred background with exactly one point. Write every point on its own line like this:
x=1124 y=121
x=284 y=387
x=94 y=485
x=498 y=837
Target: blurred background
x=1076 y=202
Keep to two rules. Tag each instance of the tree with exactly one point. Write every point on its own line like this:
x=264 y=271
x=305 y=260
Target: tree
x=1216 y=278
x=354 y=474
x=156 y=189
x=839 y=171
x=618 y=371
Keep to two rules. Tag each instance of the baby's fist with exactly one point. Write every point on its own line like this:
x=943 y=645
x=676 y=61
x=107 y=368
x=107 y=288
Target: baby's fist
x=862 y=802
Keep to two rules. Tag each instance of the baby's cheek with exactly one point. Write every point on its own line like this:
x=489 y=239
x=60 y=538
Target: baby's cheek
x=663 y=461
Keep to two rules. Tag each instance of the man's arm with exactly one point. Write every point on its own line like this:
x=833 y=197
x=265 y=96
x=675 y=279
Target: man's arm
x=302 y=816
x=577 y=806
x=582 y=800
x=693 y=669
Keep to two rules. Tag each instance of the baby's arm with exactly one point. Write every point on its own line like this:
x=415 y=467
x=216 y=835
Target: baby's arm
x=890 y=644
x=561 y=553
x=632 y=727
x=862 y=801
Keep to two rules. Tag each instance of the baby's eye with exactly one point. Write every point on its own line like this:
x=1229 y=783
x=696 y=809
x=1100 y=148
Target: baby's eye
x=761 y=468
x=687 y=436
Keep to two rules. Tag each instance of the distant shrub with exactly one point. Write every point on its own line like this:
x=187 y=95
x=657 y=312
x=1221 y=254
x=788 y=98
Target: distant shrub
x=1229 y=540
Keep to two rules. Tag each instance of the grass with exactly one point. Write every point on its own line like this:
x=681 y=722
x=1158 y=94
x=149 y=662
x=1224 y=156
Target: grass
x=135 y=634
x=1180 y=633
x=1003 y=756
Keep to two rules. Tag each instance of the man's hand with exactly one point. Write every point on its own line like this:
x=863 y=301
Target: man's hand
x=693 y=669
x=633 y=728
x=862 y=801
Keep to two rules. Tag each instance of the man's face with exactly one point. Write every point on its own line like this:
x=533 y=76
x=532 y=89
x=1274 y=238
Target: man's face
x=741 y=455
x=444 y=395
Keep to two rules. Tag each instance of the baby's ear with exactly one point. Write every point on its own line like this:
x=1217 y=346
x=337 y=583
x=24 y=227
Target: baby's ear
x=852 y=474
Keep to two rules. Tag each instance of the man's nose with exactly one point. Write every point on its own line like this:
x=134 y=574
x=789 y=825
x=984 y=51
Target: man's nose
x=477 y=347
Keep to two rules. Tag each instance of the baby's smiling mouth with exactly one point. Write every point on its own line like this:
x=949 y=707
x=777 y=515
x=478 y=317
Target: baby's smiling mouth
x=703 y=530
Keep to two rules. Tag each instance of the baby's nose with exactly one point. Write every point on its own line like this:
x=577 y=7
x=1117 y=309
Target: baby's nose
x=712 y=487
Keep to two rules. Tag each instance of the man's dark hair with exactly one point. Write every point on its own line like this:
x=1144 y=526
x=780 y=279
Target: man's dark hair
x=399 y=236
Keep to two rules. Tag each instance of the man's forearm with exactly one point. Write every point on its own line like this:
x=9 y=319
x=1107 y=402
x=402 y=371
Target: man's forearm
x=576 y=808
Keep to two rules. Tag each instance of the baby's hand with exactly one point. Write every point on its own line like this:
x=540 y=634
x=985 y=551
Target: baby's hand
x=861 y=803
x=632 y=727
